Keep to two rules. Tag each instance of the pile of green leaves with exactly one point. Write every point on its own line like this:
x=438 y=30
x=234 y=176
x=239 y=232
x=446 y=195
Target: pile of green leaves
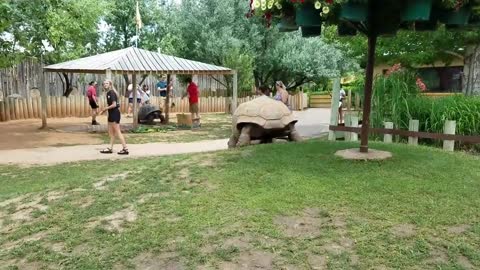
x=152 y=129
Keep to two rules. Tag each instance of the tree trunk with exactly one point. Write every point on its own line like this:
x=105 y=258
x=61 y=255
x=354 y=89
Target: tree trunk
x=472 y=71
x=372 y=42
x=67 y=86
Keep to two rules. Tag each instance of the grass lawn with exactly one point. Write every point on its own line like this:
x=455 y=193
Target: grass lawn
x=283 y=206
x=214 y=126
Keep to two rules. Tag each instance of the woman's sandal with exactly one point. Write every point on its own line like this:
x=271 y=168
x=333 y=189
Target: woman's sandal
x=106 y=151
x=123 y=152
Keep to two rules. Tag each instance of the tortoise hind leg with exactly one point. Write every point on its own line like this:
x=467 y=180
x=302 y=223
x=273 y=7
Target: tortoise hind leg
x=294 y=136
x=244 y=138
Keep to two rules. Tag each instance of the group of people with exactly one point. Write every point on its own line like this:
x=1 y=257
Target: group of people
x=143 y=97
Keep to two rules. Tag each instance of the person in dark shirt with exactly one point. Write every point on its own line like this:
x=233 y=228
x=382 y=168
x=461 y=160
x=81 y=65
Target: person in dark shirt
x=113 y=119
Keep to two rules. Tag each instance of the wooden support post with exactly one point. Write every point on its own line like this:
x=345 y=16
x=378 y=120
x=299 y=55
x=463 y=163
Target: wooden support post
x=349 y=100
x=413 y=126
x=135 y=104
x=348 y=123
x=387 y=138
x=43 y=92
x=449 y=128
x=2 y=111
x=7 y=109
x=167 y=99
x=25 y=108
x=357 y=101
x=235 y=92
x=353 y=123
x=334 y=108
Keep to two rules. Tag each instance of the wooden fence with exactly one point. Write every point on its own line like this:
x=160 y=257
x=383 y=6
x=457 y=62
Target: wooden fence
x=77 y=106
x=448 y=137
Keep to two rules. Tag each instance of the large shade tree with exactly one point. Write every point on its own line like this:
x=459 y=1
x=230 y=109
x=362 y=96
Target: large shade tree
x=55 y=30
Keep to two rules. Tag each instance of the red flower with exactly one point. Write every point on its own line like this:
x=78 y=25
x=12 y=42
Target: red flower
x=329 y=2
x=393 y=69
x=421 y=85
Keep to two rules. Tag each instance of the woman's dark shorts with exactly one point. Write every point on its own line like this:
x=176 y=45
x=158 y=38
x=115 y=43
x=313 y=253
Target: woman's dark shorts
x=130 y=100
x=114 y=116
x=93 y=104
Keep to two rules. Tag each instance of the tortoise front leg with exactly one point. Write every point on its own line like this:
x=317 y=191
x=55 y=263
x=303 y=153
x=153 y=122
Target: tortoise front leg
x=244 y=138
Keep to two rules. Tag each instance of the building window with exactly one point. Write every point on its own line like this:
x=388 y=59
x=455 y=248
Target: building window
x=442 y=79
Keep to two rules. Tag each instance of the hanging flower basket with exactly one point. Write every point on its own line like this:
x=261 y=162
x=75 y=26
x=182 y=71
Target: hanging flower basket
x=308 y=15
x=417 y=10
x=311 y=31
x=354 y=11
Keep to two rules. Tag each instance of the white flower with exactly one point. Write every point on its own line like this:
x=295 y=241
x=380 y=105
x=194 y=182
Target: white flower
x=318 y=5
x=256 y=3
x=326 y=10
x=279 y=6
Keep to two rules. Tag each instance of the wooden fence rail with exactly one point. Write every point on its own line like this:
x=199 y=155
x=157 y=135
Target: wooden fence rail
x=77 y=106
x=448 y=137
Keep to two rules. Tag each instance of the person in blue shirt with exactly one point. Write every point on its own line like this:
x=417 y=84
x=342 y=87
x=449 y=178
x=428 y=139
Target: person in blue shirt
x=162 y=87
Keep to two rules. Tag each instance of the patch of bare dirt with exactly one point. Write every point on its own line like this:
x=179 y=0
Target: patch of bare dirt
x=465 y=262
x=13 y=200
x=459 y=229
x=85 y=202
x=148 y=196
x=184 y=173
x=23 y=211
x=24 y=264
x=58 y=247
x=310 y=224
x=25 y=133
x=403 y=230
x=306 y=225
x=115 y=221
x=29 y=238
x=164 y=261
x=317 y=262
x=241 y=243
x=80 y=249
x=55 y=195
x=102 y=184
x=437 y=256
x=250 y=260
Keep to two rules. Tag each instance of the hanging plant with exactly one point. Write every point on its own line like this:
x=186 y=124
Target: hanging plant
x=269 y=9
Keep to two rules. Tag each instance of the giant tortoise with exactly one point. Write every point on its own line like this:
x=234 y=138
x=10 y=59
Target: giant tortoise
x=262 y=119
x=148 y=113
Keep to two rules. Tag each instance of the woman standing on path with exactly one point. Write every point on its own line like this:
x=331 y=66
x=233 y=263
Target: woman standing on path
x=282 y=94
x=113 y=119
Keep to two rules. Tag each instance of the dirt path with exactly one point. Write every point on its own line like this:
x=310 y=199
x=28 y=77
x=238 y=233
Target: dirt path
x=56 y=155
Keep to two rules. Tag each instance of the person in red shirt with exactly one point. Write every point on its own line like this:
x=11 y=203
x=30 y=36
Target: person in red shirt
x=192 y=92
x=92 y=100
